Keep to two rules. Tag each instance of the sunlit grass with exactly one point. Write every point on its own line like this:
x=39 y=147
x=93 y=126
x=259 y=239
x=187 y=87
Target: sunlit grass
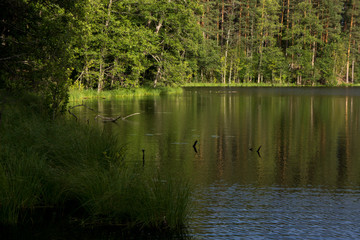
x=249 y=84
x=76 y=95
x=253 y=84
x=80 y=173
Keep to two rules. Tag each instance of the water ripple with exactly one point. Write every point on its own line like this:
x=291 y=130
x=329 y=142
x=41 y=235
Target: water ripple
x=238 y=212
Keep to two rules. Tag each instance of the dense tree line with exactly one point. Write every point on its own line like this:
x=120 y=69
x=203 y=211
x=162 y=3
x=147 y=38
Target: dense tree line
x=47 y=45
x=293 y=41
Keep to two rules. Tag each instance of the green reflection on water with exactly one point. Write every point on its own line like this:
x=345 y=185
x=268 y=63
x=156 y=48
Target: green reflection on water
x=308 y=136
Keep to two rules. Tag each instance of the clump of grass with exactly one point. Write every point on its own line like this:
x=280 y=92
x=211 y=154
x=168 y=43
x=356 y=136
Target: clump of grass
x=80 y=172
x=21 y=177
x=127 y=195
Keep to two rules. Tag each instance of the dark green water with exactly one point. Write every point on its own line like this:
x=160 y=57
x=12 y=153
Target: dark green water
x=304 y=183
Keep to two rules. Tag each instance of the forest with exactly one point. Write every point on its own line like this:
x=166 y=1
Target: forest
x=64 y=169
x=48 y=46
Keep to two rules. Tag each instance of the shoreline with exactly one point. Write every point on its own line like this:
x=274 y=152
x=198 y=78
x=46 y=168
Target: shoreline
x=84 y=94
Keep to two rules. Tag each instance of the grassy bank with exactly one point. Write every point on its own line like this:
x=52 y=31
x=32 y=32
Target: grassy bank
x=52 y=170
x=236 y=85
x=76 y=95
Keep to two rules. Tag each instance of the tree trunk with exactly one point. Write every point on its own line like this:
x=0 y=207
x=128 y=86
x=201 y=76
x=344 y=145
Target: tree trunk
x=313 y=62
x=101 y=77
x=298 y=81
x=226 y=53
x=227 y=44
x=352 y=71
x=103 y=51
x=246 y=28
x=313 y=55
x=158 y=75
x=230 y=70
x=218 y=27
x=239 y=34
x=326 y=32
x=87 y=74
x=222 y=22
x=159 y=26
x=349 y=45
x=281 y=23
x=261 y=42
x=287 y=23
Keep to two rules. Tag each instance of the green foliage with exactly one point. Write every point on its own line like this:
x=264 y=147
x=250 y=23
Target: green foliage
x=35 y=49
x=130 y=43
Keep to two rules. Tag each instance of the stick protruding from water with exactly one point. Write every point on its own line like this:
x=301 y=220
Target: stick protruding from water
x=194 y=146
x=143 y=150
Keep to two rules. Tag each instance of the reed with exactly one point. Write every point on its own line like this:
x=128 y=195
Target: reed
x=81 y=172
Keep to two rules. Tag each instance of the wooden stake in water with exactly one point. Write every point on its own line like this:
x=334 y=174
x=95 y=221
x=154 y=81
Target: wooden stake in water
x=143 y=157
x=194 y=146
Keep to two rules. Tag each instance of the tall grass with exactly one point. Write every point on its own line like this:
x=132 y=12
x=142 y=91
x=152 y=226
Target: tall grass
x=120 y=93
x=80 y=172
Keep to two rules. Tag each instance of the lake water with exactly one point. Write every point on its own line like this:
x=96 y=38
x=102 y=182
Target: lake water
x=270 y=163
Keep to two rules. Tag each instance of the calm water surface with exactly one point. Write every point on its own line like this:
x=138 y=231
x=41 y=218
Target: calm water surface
x=303 y=183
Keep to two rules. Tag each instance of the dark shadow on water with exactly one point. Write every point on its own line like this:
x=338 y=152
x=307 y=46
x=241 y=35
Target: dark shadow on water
x=61 y=232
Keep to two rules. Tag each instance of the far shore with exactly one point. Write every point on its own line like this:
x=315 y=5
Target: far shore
x=83 y=94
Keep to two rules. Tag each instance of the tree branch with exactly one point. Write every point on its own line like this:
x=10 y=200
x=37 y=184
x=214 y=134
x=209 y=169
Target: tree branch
x=76 y=118
x=114 y=119
x=130 y=115
x=80 y=105
x=104 y=119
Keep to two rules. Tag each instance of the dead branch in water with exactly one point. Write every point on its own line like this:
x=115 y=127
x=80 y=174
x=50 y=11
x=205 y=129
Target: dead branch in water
x=76 y=118
x=130 y=115
x=104 y=119
x=114 y=119
x=80 y=105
